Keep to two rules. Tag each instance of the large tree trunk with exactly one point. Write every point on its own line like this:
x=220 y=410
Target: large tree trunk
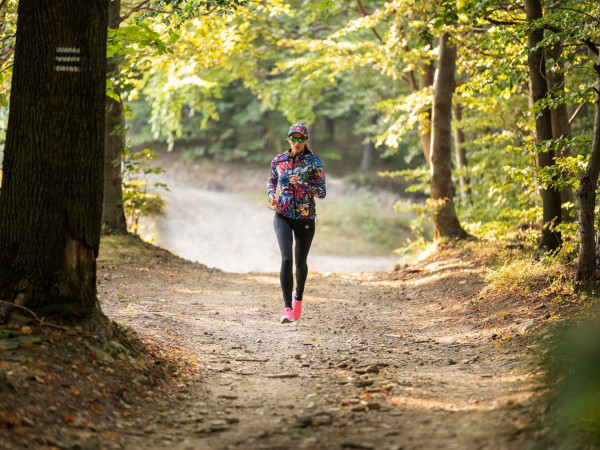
x=461 y=154
x=561 y=128
x=113 y=215
x=446 y=223
x=587 y=201
x=51 y=196
x=550 y=240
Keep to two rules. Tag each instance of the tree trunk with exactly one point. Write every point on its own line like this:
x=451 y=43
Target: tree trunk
x=550 y=240
x=51 y=196
x=113 y=215
x=446 y=223
x=587 y=200
x=561 y=128
x=311 y=133
x=461 y=154
x=368 y=156
x=369 y=153
x=330 y=127
x=426 y=80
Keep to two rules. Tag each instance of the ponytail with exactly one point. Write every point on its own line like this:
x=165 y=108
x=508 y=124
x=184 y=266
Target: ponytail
x=306 y=147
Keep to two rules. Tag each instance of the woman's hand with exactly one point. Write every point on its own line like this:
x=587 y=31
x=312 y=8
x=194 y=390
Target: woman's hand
x=294 y=179
x=273 y=201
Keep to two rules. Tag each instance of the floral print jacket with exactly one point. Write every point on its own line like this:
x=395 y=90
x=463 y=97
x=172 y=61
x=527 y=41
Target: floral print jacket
x=296 y=201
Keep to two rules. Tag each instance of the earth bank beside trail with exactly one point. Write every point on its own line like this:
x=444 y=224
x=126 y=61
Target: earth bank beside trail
x=417 y=358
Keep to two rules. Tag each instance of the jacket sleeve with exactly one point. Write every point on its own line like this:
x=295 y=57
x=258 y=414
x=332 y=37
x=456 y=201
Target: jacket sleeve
x=318 y=181
x=272 y=179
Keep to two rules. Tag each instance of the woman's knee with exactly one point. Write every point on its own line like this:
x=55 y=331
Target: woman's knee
x=302 y=266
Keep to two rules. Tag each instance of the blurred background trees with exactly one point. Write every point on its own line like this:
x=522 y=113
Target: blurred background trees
x=223 y=80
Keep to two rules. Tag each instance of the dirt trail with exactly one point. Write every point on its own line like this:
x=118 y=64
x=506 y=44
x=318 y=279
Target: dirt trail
x=379 y=360
x=205 y=198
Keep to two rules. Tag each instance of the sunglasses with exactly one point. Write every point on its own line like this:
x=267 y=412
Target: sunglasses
x=295 y=139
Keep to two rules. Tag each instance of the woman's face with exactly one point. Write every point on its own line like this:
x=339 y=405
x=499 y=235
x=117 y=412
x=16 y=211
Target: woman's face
x=296 y=145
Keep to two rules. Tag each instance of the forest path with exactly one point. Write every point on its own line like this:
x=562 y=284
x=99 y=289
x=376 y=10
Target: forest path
x=378 y=360
x=218 y=214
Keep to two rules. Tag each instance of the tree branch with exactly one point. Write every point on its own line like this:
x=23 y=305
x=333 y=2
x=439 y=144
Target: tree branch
x=595 y=19
x=364 y=12
x=136 y=8
x=500 y=22
x=593 y=47
x=575 y=112
x=6 y=68
x=35 y=316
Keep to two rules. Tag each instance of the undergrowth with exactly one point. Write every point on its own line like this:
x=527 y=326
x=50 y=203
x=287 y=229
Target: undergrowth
x=569 y=355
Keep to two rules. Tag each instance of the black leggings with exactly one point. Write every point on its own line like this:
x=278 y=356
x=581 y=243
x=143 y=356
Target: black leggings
x=303 y=230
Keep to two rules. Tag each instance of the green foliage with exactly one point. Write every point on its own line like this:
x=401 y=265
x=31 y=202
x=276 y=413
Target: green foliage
x=571 y=360
x=361 y=227
x=223 y=78
x=139 y=198
x=8 y=28
x=420 y=176
x=176 y=12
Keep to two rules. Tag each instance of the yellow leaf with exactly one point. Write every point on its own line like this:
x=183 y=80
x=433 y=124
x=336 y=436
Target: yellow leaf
x=26 y=330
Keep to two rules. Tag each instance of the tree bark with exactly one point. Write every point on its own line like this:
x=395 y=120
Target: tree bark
x=426 y=80
x=113 y=215
x=51 y=196
x=584 y=279
x=369 y=153
x=311 y=133
x=461 y=154
x=445 y=221
x=550 y=239
x=368 y=156
x=330 y=127
x=561 y=128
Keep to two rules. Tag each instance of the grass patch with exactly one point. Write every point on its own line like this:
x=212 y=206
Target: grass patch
x=358 y=227
x=116 y=249
x=529 y=274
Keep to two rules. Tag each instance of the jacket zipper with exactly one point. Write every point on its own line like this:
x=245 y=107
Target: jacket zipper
x=294 y=188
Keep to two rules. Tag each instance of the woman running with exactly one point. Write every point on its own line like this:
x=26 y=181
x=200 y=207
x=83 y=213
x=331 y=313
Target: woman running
x=299 y=175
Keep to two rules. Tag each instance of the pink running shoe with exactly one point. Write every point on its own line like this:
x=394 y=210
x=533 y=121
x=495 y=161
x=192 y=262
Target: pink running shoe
x=287 y=316
x=296 y=307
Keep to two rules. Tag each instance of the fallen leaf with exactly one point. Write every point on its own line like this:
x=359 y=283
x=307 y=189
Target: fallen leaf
x=69 y=418
x=26 y=329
